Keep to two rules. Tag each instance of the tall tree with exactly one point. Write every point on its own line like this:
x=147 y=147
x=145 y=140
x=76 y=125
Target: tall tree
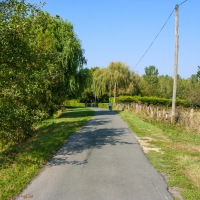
x=150 y=85
x=165 y=86
x=118 y=75
x=192 y=92
x=40 y=58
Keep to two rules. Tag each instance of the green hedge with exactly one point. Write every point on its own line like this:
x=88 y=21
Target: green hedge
x=151 y=100
x=130 y=99
x=102 y=105
x=73 y=102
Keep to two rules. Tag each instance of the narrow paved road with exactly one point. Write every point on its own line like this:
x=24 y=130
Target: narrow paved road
x=102 y=161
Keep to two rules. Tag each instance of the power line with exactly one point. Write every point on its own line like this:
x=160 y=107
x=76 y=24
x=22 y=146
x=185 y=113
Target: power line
x=182 y=2
x=157 y=35
x=154 y=39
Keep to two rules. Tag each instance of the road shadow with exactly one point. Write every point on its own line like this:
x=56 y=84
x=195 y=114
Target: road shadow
x=105 y=112
x=85 y=141
x=93 y=135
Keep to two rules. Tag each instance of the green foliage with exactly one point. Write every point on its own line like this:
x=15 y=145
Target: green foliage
x=103 y=105
x=129 y=83
x=83 y=81
x=193 y=97
x=41 y=63
x=165 y=87
x=104 y=80
x=192 y=90
x=150 y=81
x=150 y=100
x=73 y=102
x=198 y=73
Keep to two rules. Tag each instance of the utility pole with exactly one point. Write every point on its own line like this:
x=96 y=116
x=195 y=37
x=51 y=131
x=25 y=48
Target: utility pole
x=175 y=66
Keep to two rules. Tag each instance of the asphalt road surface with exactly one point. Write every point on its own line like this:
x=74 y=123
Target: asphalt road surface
x=101 y=161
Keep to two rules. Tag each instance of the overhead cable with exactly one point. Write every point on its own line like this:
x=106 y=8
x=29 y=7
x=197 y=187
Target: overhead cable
x=182 y=2
x=157 y=35
x=154 y=39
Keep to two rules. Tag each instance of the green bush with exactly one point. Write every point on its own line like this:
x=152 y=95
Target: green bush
x=102 y=105
x=76 y=102
x=151 y=100
x=73 y=102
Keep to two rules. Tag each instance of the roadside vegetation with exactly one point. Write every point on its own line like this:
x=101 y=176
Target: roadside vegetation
x=41 y=65
x=118 y=80
x=21 y=163
x=174 y=151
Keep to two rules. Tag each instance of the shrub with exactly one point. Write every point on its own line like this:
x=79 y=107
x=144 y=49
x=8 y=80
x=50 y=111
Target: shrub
x=150 y=100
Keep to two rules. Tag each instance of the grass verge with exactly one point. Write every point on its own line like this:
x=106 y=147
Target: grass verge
x=21 y=163
x=175 y=152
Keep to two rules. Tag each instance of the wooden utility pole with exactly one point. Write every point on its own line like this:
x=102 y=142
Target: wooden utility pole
x=175 y=67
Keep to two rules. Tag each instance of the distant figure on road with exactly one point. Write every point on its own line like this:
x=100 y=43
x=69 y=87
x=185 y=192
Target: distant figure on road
x=110 y=106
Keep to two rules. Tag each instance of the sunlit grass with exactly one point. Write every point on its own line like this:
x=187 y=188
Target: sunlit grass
x=179 y=157
x=21 y=163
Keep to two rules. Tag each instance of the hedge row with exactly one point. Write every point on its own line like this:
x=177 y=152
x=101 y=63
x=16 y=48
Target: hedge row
x=103 y=105
x=75 y=102
x=151 y=100
x=131 y=99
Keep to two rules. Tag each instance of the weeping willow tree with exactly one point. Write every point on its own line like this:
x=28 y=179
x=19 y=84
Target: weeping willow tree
x=118 y=75
x=123 y=77
x=41 y=59
x=99 y=82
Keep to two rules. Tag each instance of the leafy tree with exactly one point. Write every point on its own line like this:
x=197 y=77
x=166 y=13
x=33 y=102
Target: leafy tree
x=41 y=60
x=81 y=83
x=117 y=73
x=121 y=75
x=165 y=86
x=99 y=82
x=192 y=91
x=150 y=81
x=193 y=97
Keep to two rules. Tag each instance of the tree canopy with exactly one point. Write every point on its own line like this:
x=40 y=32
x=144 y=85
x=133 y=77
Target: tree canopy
x=129 y=83
x=41 y=64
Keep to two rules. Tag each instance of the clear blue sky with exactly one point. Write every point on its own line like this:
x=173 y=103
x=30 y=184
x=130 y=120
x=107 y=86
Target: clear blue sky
x=122 y=30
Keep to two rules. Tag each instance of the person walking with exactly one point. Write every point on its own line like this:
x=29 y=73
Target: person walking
x=110 y=106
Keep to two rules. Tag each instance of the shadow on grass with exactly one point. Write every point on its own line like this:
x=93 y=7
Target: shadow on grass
x=74 y=112
x=105 y=112
x=47 y=140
